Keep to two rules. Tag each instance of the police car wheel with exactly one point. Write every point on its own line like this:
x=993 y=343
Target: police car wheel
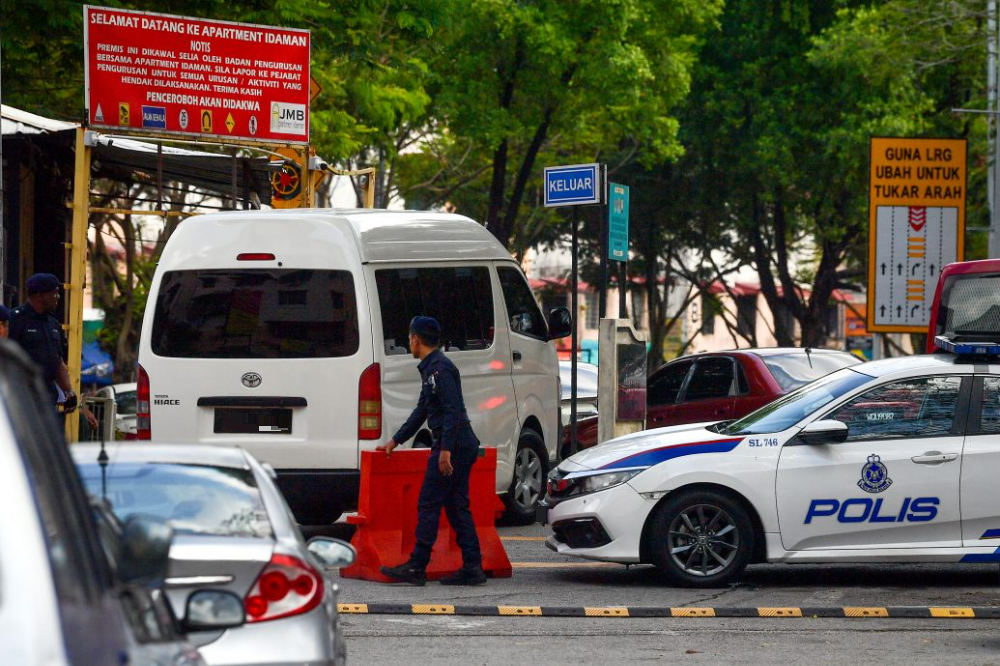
x=527 y=487
x=701 y=539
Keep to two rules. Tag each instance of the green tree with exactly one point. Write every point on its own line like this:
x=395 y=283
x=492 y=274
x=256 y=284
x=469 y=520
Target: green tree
x=550 y=82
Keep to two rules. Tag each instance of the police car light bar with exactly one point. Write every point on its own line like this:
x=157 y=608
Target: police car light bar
x=968 y=348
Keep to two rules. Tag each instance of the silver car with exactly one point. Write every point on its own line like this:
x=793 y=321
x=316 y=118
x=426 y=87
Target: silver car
x=232 y=531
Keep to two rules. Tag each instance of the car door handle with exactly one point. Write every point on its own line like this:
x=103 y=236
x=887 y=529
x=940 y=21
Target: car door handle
x=516 y=355
x=934 y=458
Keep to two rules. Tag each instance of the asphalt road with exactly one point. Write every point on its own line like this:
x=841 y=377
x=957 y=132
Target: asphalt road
x=542 y=578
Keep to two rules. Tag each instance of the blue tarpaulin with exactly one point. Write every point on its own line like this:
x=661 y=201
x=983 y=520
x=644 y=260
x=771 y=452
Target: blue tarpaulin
x=97 y=366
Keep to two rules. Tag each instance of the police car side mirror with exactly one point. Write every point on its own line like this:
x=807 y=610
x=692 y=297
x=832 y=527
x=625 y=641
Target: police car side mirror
x=826 y=431
x=560 y=323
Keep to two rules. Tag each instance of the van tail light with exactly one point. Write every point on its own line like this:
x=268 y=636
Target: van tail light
x=370 y=403
x=255 y=256
x=287 y=586
x=143 y=426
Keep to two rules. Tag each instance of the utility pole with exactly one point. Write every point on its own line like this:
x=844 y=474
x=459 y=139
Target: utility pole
x=992 y=48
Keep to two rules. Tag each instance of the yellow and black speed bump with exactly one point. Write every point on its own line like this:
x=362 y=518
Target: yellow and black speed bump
x=938 y=612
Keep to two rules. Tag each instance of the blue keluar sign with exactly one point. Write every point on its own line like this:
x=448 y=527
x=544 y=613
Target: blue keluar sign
x=572 y=185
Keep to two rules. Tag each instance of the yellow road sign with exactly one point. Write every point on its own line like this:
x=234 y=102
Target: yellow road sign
x=230 y=123
x=314 y=89
x=123 y=114
x=206 y=121
x=916 y=226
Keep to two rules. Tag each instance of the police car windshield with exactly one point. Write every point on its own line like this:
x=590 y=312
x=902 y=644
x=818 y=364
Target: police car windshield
x=788 y=410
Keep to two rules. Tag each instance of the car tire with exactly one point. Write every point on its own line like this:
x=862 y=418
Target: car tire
x=701 y=538
x=527 y=485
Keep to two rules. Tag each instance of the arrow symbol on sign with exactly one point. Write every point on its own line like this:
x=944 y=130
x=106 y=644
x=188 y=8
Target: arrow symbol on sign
x=913 y=311
x=883 y=268
x=899 y=310
x=899 y=269
x=932 y=269
x=914 y=271
x=918 y=218
x=883 y=310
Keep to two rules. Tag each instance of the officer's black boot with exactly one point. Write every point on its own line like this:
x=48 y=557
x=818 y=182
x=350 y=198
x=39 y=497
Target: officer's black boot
x=406 y=573
x=465 y=576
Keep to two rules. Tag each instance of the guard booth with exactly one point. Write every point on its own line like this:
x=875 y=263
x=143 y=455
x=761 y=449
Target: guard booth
x=621 y=380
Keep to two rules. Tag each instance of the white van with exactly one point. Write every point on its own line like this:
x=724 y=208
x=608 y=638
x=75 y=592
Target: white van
x=286 y=332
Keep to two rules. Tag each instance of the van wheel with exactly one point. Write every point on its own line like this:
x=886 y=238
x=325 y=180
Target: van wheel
x=527 y=487
x=701 y=539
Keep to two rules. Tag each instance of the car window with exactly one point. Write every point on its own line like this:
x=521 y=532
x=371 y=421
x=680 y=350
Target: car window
x=920 y=407
x=792 y=407
x=193 y=499
x=125 y=402
x=461 y=299
x=990 y=417
x=522 y=308
x=712 y=378
x=256 y=313
x=666 y=383
x=794 y=370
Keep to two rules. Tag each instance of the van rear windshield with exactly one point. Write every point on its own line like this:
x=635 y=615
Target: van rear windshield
x=256 y=313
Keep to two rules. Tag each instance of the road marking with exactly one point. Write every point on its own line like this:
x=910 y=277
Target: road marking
x=519 y=610
x=827 y=612
x=522 y=538
x=352 y=608
x=864 y=611
x=952 y=612
x=615 y=611
x=433 y=609
x=562 y=565
x=779 y=612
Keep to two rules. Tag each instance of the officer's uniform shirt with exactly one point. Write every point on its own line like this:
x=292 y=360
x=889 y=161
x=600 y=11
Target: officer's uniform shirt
x=441 y=405
x=40 y=335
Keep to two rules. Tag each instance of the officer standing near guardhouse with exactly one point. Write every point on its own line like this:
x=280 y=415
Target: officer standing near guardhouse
x=38 y=331
x=454 y=451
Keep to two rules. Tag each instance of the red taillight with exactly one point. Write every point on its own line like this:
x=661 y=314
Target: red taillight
x=287 y=586
x=255 y=256
x=370 y=403
x=143 y=425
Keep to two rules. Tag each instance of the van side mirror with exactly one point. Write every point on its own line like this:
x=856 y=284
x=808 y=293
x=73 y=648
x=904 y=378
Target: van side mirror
x=826 y=431
x=332 y=553
x=144 y=551
x=213 y=610
x=560 y=323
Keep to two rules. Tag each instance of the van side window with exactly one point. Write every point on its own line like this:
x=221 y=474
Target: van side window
x=522 y=308
x=460 y=298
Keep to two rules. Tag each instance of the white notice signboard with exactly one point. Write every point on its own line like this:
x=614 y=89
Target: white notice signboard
x=912 y=244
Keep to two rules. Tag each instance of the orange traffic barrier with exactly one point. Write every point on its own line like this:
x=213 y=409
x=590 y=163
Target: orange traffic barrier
x=387 y=516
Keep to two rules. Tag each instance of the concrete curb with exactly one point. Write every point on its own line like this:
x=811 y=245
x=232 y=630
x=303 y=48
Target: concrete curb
x=950 y=612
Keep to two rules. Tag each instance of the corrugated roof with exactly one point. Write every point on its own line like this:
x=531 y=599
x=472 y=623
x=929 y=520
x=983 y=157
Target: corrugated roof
x=16 y=121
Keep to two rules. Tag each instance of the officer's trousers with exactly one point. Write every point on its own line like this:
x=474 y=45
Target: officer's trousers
x=452 y=493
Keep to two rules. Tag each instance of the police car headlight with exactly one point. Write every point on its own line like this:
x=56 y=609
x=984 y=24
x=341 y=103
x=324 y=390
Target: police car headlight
x=589 y=482
x=598 y=482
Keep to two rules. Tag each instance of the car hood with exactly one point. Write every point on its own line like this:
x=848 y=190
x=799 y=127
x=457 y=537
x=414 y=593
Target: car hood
x=650 y=447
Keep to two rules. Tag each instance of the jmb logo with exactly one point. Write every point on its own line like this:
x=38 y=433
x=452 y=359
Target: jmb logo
x=291 y=114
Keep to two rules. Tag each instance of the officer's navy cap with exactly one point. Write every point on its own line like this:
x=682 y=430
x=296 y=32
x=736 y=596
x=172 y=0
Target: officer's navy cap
x=427 y=328
x=4 y=313
x=40 y=283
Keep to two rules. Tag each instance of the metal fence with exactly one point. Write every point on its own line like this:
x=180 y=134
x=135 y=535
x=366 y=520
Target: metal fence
x=103 y=410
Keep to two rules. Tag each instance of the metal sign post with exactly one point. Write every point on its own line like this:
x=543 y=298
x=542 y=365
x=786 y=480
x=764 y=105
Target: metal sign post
x=574 y=185
x=917 y=195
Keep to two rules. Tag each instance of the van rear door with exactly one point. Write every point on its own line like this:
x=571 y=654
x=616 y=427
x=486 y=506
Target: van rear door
x=265 y=357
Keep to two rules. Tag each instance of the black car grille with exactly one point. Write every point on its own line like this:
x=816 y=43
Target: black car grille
x=581 y=533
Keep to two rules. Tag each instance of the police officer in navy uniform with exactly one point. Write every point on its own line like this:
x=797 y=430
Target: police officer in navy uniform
x=454 y=451
x=38 y=331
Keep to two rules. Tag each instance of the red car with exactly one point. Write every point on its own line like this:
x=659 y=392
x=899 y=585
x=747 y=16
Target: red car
x=718 y=386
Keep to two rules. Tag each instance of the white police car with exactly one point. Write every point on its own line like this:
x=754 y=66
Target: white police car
x=891 y=461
